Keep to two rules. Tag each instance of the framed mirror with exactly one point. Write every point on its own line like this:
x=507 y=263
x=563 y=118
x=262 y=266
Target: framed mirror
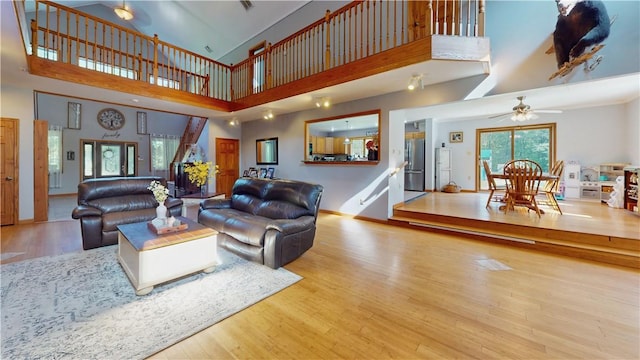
x=345 y=139
x=267 y=151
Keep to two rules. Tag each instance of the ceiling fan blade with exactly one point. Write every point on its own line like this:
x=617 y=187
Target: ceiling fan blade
x=497 y=116
x=549 y=111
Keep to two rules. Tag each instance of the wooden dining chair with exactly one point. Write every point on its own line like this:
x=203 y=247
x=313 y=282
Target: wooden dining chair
x=493 y=187
x=523 y=184
x=551 y=187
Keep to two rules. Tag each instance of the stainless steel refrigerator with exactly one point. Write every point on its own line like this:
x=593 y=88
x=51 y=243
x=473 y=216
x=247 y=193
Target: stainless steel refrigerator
x=414 y=171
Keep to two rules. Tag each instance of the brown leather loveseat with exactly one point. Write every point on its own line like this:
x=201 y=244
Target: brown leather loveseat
x=105 y=203
x=271 y=222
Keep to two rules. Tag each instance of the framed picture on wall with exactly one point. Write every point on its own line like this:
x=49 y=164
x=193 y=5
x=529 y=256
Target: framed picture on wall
x=74 y=115
x=455 y=137
x=142 y=123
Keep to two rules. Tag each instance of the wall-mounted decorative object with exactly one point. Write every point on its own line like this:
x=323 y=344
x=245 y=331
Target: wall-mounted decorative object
x=74 y=115
x=111 y=119
x=142 y=123
x=455 y=137
x=71 y=155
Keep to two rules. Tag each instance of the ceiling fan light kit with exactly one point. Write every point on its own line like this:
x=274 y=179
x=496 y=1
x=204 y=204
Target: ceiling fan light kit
x=523 y=112
x=123 y=13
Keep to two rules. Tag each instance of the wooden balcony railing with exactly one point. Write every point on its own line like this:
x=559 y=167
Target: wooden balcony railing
x=358 y=30
x=68 y=36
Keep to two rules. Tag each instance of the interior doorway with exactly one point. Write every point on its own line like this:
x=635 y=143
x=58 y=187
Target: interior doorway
x=228 y=161
x=414 y=156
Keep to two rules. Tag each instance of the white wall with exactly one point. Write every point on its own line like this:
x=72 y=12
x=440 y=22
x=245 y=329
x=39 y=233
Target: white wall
x=53 y=109
x=633 y=133
x=346 y=185
x=588 y=136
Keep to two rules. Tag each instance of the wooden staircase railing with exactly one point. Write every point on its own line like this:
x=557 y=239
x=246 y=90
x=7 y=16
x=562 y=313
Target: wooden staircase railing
x=191 y=134
x=358 y=30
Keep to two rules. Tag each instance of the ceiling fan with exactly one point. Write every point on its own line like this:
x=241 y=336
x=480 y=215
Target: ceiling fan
x=523 y=112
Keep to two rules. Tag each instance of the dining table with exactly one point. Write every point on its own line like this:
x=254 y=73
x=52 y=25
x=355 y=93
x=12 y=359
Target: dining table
x=543 y=177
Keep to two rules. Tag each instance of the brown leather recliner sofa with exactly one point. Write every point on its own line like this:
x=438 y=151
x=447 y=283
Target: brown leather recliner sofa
x=105 y=203
x=271 y=222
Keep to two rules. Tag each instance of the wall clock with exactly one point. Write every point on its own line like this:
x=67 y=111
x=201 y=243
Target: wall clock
x=111 y=119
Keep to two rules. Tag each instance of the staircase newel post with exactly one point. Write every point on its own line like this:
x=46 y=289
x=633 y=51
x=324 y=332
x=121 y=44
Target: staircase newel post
x=327 y=54
x=155 y=58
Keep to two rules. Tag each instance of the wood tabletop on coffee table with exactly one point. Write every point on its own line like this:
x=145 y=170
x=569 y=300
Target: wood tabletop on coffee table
x=142 y=238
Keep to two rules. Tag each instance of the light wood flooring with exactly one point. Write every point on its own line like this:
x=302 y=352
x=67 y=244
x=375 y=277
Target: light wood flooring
x=374 y=291
x=583 y=216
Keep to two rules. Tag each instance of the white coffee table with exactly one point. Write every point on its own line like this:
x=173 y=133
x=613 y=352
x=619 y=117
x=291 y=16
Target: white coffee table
x=149 y=259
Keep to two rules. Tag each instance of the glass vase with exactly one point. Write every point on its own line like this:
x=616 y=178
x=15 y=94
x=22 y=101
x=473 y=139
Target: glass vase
x=161 y=211
x=203 y=190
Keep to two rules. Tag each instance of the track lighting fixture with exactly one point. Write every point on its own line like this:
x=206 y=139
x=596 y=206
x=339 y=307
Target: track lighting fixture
x=268 y=115
x=323 y=102
x=415 y=81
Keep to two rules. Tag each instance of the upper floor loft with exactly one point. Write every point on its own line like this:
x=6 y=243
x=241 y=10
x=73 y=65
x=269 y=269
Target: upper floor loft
x=359 y=40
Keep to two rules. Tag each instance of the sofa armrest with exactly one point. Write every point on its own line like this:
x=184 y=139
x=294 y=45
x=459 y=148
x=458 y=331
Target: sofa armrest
x=215 y=204
x=291 y=226
x=84 y=210
x=171 y=203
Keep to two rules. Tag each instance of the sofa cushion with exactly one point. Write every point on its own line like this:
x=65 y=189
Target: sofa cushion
x=278 y=209
x=301 y=194
x=245 y=202
x=124 y=203
x=245 y=227
x=110 y=221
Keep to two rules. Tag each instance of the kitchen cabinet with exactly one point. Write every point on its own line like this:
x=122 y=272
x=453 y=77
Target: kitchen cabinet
x=328 y=145
x=321 y=145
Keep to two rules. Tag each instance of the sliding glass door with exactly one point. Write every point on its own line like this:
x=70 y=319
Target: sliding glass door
x=499 y=145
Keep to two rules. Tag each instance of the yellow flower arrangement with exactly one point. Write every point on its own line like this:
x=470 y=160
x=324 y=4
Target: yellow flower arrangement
x=199 y=172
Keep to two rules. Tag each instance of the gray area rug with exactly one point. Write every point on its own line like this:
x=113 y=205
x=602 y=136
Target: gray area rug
x=82 y=305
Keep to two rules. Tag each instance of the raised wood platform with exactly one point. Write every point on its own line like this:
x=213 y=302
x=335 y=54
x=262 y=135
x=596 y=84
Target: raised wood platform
x=587 y=229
